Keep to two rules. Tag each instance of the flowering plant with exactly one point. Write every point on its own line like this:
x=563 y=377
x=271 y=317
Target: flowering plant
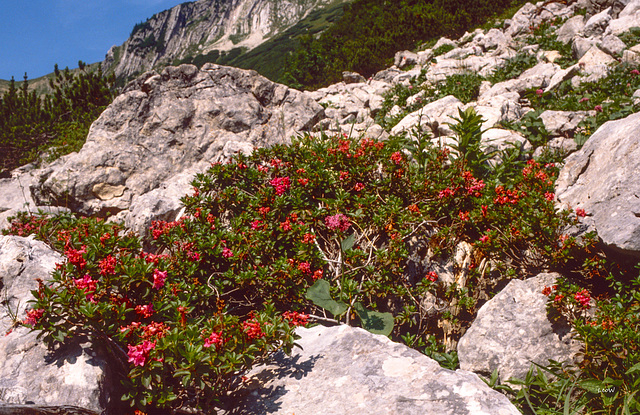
x=169 y=332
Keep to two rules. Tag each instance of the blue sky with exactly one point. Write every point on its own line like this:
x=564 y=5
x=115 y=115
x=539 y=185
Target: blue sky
x=36 y=34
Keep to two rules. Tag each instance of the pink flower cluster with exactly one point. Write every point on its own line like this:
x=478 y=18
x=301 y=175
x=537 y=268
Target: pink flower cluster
x=87 y=285
x=158 y=278
x=76 y=258
x=304 y=267
x=583 y=298
x=338 y=221
x=396 y=157
x=139 y=354
x=215 y=340
x=108 y=265
x=252 y=329
x=431 y=276
x=145 y=311
x=33 y=316
x=295 y=318
x=281 y=184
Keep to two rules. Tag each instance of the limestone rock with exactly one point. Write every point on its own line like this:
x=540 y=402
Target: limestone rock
x=602 y=177
x=629 y=17
x=352 y=77
x=595 y=64
x=580 y=46
x=165 y=124
x=512 y=330
x=439 y=111
x=405 y=58
x=520 y=22
x=342 y=370
x=570 y=29
x=597 y=24
x=612 y=45
x=631 y=55
x=537 y=77
x=562 y=123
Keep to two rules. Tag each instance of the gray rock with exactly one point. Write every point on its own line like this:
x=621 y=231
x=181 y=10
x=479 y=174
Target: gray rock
x=570 y=29
x=74 y=375
x=562 y=145
x=405 y=58
x=595 y=64
x=596 y=6
x=597 y=24
x=483 y=65
x=15 y=195
x=163 y=125
x=580 y=46
x=602 y=177
x=387 y=75
x=562 y=123
x=494 y=39
x=520 y=22
x=497 y=139
x=439 y=111
x=630 y=9
x=561 y=76
x=444 y=41
x=612 y=45
x=512 y=330
x=199 y=27
x=629 y=17
x=342 y=370
x=631 y=55
x=352 y=77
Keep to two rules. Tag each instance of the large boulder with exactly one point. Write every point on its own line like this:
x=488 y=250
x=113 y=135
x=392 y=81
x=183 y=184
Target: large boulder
x=512 y=330
x=434 y=115
x=601 y=178
x=342 y=370
x=165 y=124
x=31 y=376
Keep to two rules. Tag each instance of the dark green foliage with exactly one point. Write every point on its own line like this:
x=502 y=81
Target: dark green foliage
x=370 y=32
x=138 y=27
x=514 y=67
x=441 y=50
x=31 y=124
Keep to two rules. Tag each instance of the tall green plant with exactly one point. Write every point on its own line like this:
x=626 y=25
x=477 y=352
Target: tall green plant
x=468 y=146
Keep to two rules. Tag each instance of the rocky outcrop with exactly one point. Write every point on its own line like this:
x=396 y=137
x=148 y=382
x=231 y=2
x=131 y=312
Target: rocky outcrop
x=601 y=178
x=31 y=376
x=512 y=330
x=202 y=26
x=168 y=126
x=341 y=370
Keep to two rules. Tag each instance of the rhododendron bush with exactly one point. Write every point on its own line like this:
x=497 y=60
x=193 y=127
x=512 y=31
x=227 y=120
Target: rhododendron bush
x=328 y=226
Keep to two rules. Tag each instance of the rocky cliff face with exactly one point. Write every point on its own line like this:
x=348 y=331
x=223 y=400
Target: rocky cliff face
x=202 y=26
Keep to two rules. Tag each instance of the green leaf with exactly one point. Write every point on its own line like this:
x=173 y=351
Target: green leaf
x=319 y=294
x=635 y=368
x=592 y=385
x=347 y=243
x=374 y=321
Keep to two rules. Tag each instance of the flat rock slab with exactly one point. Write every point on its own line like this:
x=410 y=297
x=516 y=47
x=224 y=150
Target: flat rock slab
x=346 y=370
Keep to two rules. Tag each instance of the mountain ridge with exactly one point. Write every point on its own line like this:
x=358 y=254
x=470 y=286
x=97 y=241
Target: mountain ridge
x=201 y=27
